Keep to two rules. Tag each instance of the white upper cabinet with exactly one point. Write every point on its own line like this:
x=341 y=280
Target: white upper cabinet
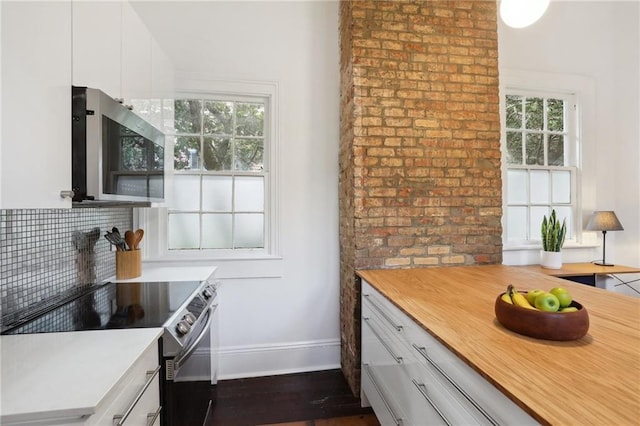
x=136 y=56
x=97 y=45
x=114 y=51
x=46 y=47
x=35 y=142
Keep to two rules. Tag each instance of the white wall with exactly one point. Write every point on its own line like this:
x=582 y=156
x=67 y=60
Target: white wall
x=600 y=41
x=291 y=322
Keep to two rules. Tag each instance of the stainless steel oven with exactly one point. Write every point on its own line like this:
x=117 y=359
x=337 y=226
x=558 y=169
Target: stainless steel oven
x=188 y=348
x=186 y=310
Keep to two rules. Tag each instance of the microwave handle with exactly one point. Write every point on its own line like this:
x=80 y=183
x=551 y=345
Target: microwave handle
x=68 y=193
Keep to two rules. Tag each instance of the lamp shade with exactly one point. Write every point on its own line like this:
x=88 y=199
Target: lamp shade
x=604 y=221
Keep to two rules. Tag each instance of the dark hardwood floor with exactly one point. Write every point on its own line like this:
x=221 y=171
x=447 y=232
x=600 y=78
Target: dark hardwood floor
x=299 y=399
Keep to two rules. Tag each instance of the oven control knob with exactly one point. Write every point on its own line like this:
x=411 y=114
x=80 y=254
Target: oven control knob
x=208 y=292
x=183 y=327
x=189 y=318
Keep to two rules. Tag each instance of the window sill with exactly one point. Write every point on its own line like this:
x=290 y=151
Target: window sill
x=230 y=268
x=567 y=246
x=530 y=254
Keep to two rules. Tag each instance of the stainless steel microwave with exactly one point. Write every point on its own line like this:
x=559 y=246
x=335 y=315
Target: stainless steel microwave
x=117 y=156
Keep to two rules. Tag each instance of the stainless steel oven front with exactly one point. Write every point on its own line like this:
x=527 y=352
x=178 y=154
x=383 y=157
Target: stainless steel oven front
x=188 y=349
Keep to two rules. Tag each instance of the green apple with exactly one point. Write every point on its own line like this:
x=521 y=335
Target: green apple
x=563 y=295
x=547 y=302
x=532 y=294
x=569 y=309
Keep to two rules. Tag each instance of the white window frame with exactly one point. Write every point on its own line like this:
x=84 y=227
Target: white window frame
x=155 y=220
x=570 y=159
x=583 y=89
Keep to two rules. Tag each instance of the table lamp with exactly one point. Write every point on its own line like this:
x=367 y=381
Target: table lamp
x=604 y=221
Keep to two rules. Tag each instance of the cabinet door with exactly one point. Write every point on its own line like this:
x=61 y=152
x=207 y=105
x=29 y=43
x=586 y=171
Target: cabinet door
x=136 y=56
x=35 y=141
x=143 y=381
x=97 y=39
x=162 y=72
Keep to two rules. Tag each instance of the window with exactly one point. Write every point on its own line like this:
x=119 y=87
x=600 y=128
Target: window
x=220 y=173
x=541 y=162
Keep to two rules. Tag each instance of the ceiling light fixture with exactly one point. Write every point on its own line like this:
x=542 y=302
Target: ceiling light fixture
x=522 y=13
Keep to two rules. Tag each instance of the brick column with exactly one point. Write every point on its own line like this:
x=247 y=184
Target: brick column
x=420 y=180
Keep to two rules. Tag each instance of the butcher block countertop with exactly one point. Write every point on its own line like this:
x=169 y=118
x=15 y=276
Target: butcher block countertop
x=593 y=380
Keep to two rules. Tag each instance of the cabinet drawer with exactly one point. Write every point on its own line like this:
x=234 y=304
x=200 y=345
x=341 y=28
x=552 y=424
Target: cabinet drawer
x=379 y=346
x=396 y=399
x=372 y=299
x=143 y=381
x=452 y=406
x=468 y=387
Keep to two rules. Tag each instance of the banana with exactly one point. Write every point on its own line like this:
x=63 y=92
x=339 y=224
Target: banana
x=505 y=298
x=517 y=298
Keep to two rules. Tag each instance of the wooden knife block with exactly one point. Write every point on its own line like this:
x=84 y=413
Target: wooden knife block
x=128 y=264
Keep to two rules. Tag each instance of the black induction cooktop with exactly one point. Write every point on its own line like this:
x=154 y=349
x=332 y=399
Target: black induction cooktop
x=113 y=306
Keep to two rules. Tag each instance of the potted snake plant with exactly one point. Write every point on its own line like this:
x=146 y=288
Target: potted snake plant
x=553 y=235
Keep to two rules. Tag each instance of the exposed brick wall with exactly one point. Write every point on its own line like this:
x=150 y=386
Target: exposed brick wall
x=420 y=181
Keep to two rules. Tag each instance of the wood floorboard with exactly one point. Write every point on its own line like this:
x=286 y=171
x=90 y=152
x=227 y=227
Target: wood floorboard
x=320 y=398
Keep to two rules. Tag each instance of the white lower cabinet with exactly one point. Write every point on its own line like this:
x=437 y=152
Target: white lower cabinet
x=135 y=400
x=410 y=378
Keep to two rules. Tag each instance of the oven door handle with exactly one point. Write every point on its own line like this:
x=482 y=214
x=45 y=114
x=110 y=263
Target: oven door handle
x=182 y=358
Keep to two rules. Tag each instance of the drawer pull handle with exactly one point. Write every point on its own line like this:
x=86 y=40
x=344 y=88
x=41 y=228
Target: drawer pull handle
x=398 y=420
x=423 y=351
x=397 y=358
x=119 y=419
x=151 y=417
x=382 y=312
x=423 y=390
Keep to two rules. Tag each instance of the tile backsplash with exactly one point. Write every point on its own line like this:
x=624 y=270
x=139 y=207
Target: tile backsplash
x=48 y=254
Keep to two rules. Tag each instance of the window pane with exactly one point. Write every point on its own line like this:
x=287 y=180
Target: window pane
x=249 y=154
x=216 y=193
x=555 y=115
x=218 y=118
x=186 y=154
x=249 y=195
x=556 y=150
x=217 y=154
x=514 y=112
x=540 y=187
x=534 y=111
x=535 y=149
x=188 y=115
x=184 y=231
x=536 y=215
x=517 y=188
x=216 y=231
x=249 y=231
x=561 y=189
x=517 y=223
x=186 y=192
x=564 y=212
x=249 y=119
x=514 y=148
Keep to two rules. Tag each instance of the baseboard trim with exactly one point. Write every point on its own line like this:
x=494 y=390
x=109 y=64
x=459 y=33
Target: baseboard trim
x=238 y=362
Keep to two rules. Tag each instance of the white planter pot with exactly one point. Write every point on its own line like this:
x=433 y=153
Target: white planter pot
x=551 y=259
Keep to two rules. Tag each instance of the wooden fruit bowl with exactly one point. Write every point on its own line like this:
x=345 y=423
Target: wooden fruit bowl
x=543 y=325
